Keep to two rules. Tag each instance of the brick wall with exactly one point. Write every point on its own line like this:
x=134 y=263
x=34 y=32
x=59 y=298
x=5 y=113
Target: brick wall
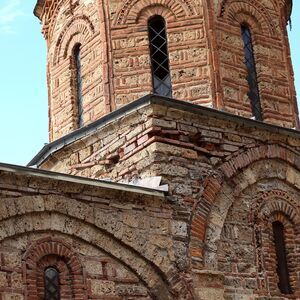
x=187 y=45
x=267 y=22
x=205 y=50
x=229 y=179
x=76 y=23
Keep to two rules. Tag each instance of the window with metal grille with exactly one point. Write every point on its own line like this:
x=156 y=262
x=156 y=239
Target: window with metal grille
x=79 y=98
x=51 y=278
x=161 y=77
x=282 y=265
x=253 y=93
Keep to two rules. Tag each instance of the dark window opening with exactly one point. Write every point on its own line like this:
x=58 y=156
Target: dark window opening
x=159 y=57
x=51 y=278
x=253 y=93
x=78 y=75
x=282 y=266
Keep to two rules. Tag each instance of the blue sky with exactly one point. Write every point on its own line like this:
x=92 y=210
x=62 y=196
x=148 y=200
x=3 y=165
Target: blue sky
x=24 y=107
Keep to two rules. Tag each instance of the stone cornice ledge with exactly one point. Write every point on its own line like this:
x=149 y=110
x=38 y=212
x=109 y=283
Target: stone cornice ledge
x=95 y=183
x=78 y=134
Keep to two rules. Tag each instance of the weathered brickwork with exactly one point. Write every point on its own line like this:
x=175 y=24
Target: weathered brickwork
x=128 y=144
x=109 y=63
x=229 y=180
x=267 y=20
x=87 y=274
x=105 y=243
x=187 y=45
x=205 y=49
x=210 y=236
x=75 y=23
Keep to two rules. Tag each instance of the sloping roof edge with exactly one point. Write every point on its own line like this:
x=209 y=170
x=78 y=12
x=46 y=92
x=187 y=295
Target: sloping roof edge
x=26 y=171
x=68 y=139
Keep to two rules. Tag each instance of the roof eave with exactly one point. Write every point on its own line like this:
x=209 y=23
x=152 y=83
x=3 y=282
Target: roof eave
x=85 y=131
x=96 y=183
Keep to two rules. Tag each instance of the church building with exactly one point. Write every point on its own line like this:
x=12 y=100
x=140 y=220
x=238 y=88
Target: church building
x=173 y=165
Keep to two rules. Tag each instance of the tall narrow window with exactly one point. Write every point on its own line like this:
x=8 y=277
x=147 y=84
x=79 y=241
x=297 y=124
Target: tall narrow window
x=51 y=278
x=79 y=99
x=282 y=266
x=161 y=77
x=252 y=74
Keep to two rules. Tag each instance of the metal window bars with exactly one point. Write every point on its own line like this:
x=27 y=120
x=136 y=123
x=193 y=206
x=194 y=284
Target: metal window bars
x=253 y=93
x=282 y=265
x=159 y=57
x=79 y=97
x=51 y=279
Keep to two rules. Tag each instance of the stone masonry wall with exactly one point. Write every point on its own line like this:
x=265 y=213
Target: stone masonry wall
x=106 y=243
x=129 y=143
x=103 y=277
x=223 y=174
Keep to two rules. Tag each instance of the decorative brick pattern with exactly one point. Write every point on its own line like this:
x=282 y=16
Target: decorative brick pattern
x=53 y=253
x=78 y=31
x=76 y=23
x=128 y=12
x=271 y=206
x=205 y=49
x=210 y=237
x=267 y=21
x=215 y=190
x=208 y=163
x=94 y=217
x=247 y=247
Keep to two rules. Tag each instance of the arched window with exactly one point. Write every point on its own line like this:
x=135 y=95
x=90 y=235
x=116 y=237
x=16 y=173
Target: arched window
x=282 y=265
x=253 y=93
x=161 y=77
x=51 y=279
x=78 y=76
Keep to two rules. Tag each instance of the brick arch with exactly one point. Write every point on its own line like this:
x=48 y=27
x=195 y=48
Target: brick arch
x=271 y=206
x=150 y=11
x=55 y=253
x=226 y=197
x=161 y=284
x=268 y=204
x=243 y=11
x=131 y=9
x=78 y=30
x=206 y=211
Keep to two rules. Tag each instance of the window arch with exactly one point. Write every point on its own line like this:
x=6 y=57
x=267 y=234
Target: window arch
x=51 y=254
x=78 y=83
x=52 y=284
x=161 y=77
x=253 y=93
x=282 y=264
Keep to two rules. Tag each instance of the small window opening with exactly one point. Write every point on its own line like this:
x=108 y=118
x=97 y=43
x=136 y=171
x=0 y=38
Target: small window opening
x=161 y=77
x=79 y=98
x=282 y=266
x=51 y=279
x=253 y=93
